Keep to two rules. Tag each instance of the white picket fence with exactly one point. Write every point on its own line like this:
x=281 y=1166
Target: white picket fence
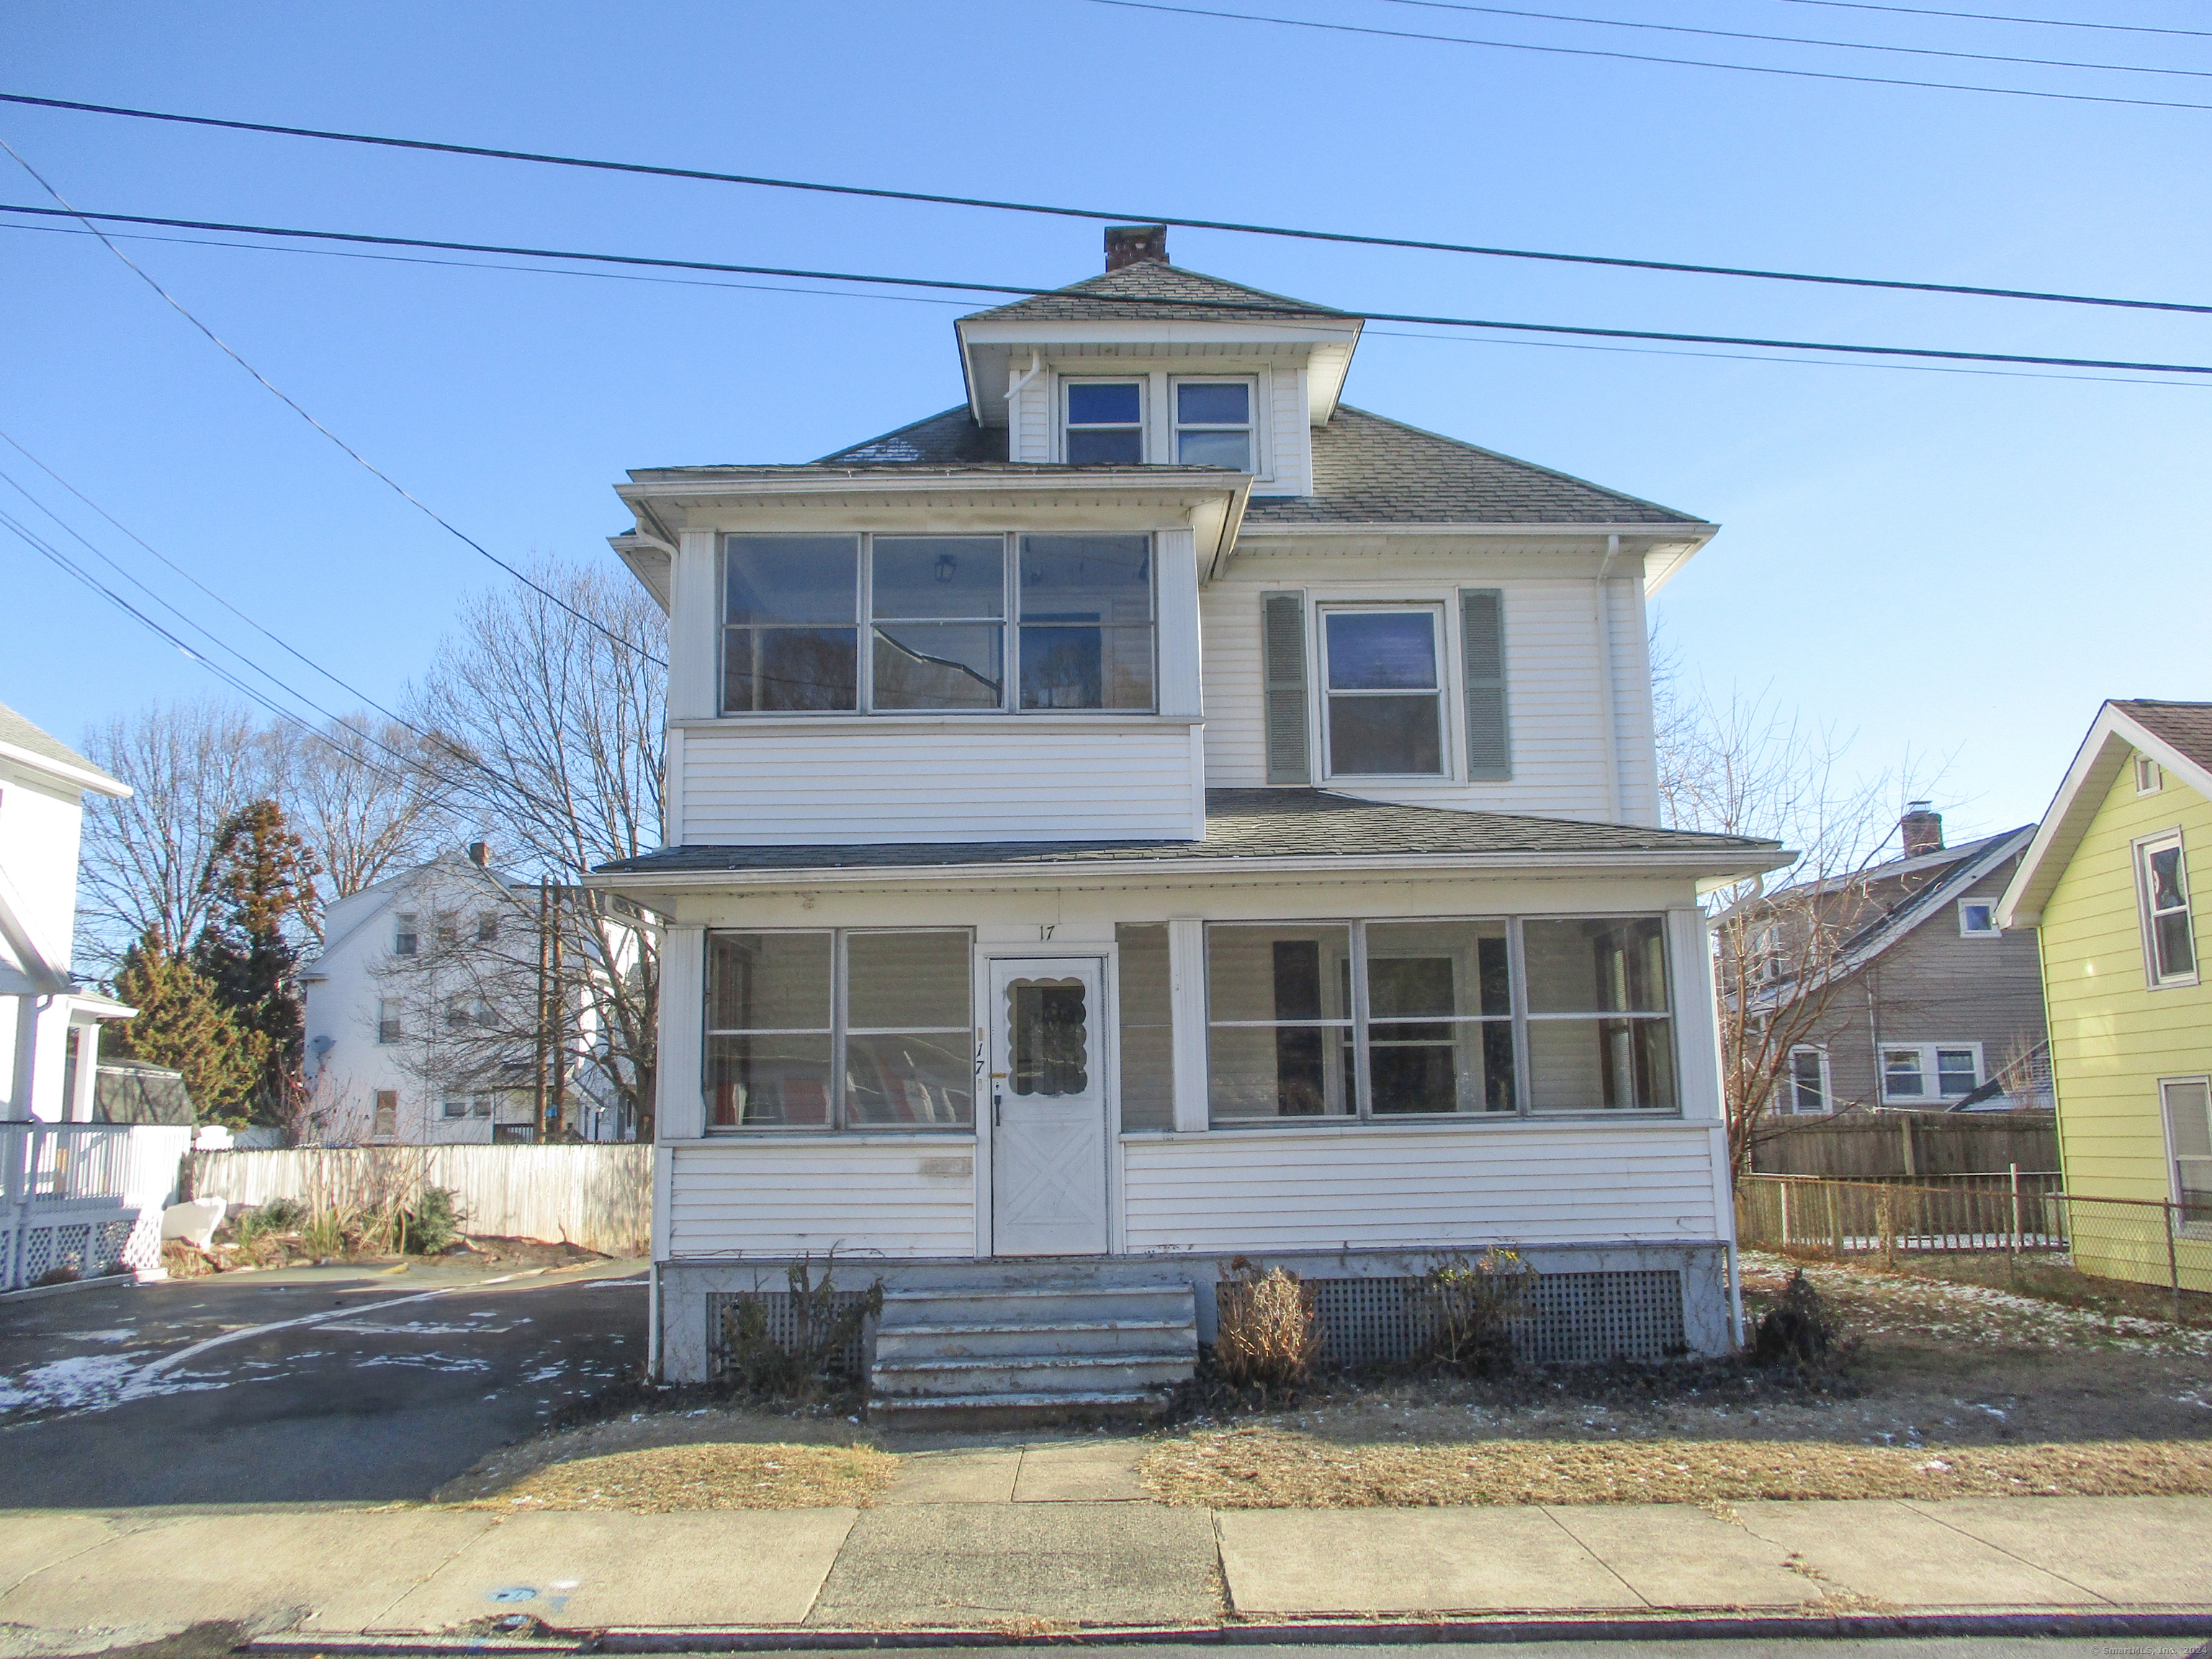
x=599 y=1197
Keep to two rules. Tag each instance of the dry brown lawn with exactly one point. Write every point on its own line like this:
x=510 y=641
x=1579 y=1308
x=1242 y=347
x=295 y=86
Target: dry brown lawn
x=1276 y=1468
x=701 y=1460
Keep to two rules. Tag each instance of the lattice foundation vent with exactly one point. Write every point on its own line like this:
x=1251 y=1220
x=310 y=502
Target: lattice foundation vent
x=782 y=1326
x=1578 y=1317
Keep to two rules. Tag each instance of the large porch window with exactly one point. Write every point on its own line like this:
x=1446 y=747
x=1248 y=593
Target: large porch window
x=839 y=1029
x=1397 y=1020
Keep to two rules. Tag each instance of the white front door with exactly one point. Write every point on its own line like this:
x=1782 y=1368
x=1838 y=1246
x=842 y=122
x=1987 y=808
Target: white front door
x=1048 y=1107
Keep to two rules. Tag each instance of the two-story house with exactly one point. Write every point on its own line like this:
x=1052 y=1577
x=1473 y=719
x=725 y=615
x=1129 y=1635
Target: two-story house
x=1153 y=813
x=439 y=1010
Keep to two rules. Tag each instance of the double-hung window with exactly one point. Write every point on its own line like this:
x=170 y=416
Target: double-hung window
x=2162 y=890
x=405 y=939
x=1930 y=1072
x=1383 y=691
x=2187 y=1103
x=1105 y=422
x=955 y=623
x=839 y=1028
x=1213 y=424
x=1806 y=1088
x=1407 y=1020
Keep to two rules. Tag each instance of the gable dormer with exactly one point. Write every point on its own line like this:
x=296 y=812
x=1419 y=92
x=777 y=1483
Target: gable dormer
x=1150 y=363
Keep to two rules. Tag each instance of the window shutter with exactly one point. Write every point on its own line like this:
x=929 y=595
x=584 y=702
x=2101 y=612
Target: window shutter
x=1283 y=641
x=1482 y=663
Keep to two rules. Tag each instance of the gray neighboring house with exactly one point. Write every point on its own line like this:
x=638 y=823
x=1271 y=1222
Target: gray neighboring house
x=1935 y=1000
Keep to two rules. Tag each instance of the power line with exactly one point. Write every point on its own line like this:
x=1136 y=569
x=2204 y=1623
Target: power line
x=1800 y=40
x=923 y=300
x=1992 y=17
x=1232 y=226
x=271 y=386
x=1646 y=58
x=1288 y=309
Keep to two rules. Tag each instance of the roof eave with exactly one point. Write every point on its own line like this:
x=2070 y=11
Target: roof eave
x=1141 y=871
x=77 y=777
x=2096 y=763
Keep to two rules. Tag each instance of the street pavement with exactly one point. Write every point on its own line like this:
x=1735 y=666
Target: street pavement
x=324 y=1385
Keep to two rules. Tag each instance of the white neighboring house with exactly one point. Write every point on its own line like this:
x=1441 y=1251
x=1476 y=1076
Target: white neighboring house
x=422 y=1016
x=1155 y=813
x=49 y=1024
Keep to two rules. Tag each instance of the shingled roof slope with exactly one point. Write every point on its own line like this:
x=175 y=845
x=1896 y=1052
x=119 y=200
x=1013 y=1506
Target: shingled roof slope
x=35 y=740
x=2187 y=726
x=1368 y=468
x=951 y=439
x=1240 y=824
x=1153 y=288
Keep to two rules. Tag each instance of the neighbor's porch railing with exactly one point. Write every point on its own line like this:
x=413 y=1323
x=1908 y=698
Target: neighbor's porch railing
x=2144 y=1240
x=53 y=1164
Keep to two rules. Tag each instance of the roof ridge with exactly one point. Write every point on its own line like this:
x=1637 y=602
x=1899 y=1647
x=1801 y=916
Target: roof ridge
x=1106 y=286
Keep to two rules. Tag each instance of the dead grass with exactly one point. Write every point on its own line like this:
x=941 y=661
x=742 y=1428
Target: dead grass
x=699 y=1459
x=1275 y=1468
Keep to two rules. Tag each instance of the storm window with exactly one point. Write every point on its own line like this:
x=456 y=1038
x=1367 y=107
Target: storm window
x=1383 y=691
x=839 y=1028
x=2162 y=886
x=1432 y=1018
x=1213 y=423
x=1105 y=422
x=976 y=624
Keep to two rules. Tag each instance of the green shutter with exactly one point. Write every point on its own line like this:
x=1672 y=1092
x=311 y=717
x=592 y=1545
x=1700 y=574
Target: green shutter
x=1283 y=644
x=1482 y=663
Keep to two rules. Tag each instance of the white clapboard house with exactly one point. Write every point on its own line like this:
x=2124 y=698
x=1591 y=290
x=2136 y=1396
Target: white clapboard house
x=1152 y=813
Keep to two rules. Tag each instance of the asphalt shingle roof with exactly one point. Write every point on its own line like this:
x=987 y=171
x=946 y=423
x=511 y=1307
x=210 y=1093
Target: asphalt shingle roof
x=1368 y=468
x=2187 y=726
x=1153 y=288
x=14 y=729
x=1240 y=824
x=951 y=439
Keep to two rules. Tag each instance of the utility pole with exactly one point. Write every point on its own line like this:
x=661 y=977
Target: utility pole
x=559 y=1112
x=543 y=1002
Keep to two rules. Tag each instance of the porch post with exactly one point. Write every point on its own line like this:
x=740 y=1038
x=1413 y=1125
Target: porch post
x=85 y=1096
x=680 y=1110
x=1187 y=982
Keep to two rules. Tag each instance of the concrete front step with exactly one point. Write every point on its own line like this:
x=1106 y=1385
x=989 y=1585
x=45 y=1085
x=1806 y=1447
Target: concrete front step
x=1033 y=1349
x=1011 y=1410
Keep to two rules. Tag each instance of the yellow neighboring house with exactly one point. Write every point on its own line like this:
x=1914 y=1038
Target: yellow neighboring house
x=2111 y=882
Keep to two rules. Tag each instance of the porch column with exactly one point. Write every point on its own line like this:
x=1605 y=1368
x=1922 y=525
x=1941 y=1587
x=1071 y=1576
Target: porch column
x=24 y=1063
x=84 y=1095
x=1187 y=983
x=680 y=1108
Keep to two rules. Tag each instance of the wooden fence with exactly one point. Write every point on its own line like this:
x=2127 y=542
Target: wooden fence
x=598 y=1197
x=1905 y=1145
x=1839 y=1218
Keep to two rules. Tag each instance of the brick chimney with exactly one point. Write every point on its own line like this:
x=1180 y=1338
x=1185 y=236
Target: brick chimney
x=1129 y=244
x=480 y=855
x=1923 y=829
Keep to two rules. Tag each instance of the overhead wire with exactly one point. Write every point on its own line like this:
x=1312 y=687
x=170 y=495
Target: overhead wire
x=297 y=409
x=1180 y=221
x=924 y=300
x=1996 y=17
x=1284 y=308
x=1801 y=40
x=1647 y=58
x=414 y=763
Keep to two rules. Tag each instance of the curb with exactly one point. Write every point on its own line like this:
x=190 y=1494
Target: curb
x=1480 y=1629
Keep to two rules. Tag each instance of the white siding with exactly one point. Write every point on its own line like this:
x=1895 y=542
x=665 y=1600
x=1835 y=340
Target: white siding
x=1552 y=691
x=1369 y=1188
x=1290 y=438
x=855 y=782
x=858 y=1197
x=1631 y=689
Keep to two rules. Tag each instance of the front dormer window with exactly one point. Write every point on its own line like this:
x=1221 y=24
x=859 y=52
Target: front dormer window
x=1105 y=422
x=1213 y=423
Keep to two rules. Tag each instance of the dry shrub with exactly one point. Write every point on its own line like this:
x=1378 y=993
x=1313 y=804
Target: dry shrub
x=1473 y=1308
x=1799 y=1330
x=1267 y=1333
x=821 y=1333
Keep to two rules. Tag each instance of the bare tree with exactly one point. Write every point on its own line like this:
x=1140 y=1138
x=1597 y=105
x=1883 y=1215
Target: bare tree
x=1744 y=766
x=191 y=766
x=363 y=793
x=550 y=727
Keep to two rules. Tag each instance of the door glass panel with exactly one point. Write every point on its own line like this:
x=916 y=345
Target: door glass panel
x=1048 y=1036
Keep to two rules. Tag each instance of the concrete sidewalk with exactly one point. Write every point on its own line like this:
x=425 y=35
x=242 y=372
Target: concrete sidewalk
x=1077 y=1551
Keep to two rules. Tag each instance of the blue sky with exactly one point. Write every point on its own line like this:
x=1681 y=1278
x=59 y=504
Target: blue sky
x=1951 y=566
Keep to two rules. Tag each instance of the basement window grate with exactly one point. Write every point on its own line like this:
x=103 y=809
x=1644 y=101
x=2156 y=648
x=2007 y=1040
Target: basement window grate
x=782 y=1326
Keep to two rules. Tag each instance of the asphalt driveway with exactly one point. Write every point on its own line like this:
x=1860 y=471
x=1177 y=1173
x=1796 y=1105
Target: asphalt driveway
x=313 y=1385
